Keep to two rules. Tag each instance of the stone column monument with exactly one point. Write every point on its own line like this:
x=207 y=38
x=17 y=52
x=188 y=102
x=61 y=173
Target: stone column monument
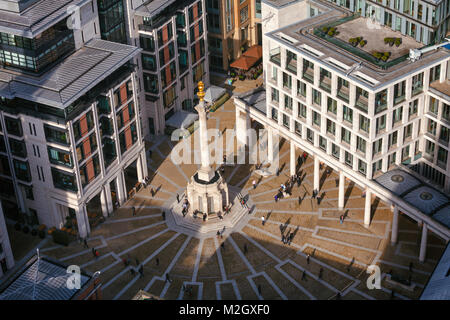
x=207 y=192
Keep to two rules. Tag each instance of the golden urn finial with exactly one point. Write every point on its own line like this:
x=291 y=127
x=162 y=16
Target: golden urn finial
x=201 y=93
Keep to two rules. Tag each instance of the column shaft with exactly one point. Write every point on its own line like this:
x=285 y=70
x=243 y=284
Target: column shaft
x=316 y=173
x=394 y=234
x=368 y=208
x=292 y=166
x=269 y=144
x=341 y=200
x=423 y=243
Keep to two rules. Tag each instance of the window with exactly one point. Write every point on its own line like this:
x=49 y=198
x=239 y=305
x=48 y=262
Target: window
x=446 y=111
x=347 y=114
x=60 y=157
x=362 y=166
x=56 y=135
x=431 y=128
x=399 y=92
x=377 y=146
x=335 y=151
x=317 y=97
x=364 y=123
x=442 y=157
x=346 y=135
x=22 y=170
x=310 y=135
x=64 y=180
x=405 y=154
x=301 y=110
x=82 y=126
x=412 y=111
x=13 y=126
x=4 y=166
x=275 y=95
x=244 y=14
x=298 y=128
x=348 y=159
x=397 y=115
x=301 y=88
x=308 y=71
x=361 y=144
x=291 y=62
x=362 y=99
x=286 y=121
x=444 y=134
x=331 y=105
x=325 y=80
x=274 y=74
x=429 y=148
x=392 y=158
x=331 y=127
x=407 y=132
x=18 y=148
x=287 y=102
x=381 y=101
x=316 y=118
x=343 y=90
x=274 y=114
x=287 y=81
x=392 y=139
x=417 y=84
x=435 y=72
x=149 y=62
x=89 y=171
x=87 y=147
x=434 y=103
x=377 y=166
x=323 y=143
x=381 y=124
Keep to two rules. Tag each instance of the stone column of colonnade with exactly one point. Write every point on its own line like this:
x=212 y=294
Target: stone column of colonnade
x=394 y=234
x=423 y=243
x=292 y=158
x=316 y=174
x=368 y=207
x=341 y=199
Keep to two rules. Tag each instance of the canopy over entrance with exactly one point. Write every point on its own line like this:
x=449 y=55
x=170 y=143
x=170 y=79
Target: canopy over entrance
x=182 y=119
x=244 y=63
x=213 y=93
x=254 y=51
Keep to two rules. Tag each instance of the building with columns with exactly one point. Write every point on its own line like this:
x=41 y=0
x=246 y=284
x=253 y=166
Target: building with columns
x=71 y=145
x=233 y=25
x=382 y=124
x=173 y=38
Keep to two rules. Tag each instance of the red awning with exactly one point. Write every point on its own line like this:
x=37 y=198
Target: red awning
x=254 y=51
x=244 y=62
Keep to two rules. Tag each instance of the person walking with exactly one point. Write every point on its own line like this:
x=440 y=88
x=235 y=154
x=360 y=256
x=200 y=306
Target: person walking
x=85 y=243
x=254 y=184
x=304 y=275
x=283 y=238
x=137 y=262
x=341 y=219
x=133 y=209
x=141 y=271
x=259 y=289
x=163 y=215
x=152 y=192
x=157 y=261
x=263 y=220
x=168 y=278
x=276 y=198
x=320 y=273
x=307 y=259
x=178 y=198
x=245 y=248
x=218 y=234
x=93 y=252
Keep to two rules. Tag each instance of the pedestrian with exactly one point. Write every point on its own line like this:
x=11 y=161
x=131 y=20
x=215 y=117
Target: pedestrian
x=299 y=200
x=132 y=271
x=392 y=295
x=93 y=252
x=338 y=296
x=144 y=183
x=157 y=261
x=219 y=214
x=363 y=194
x=218 y=234
x=223 y=245
x=263 y=220
x=85 y=243
x=152 y=192
x=163 y=215
x=125 y=264
x=254 y=184
x=141 y=271
x=410 y=267
x=245 y=248
x=222 y=169
x=307 y=258
x=150 y=153
x=134 y=210
x=224 y=159
x=259 y=289
x=168 y=278
x=276 y=198
x=341 y=218
x=204 y=217
x=178 y=198
x=314 y=194
x=283 y=238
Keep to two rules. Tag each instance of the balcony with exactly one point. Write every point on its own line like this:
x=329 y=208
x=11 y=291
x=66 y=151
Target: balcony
x=344 y=93
x=308 y=74
x=325 y=83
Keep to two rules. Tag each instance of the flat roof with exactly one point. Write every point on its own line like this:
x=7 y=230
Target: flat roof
x=70 y=79
x=38 y=17
x=424 y=197
x=300 y=37
x=441 y=88
x=42 y=279
x=438 y=286
x=153 y=7
x=255 y=98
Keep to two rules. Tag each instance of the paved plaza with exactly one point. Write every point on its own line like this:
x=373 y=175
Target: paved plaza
x=249 y=261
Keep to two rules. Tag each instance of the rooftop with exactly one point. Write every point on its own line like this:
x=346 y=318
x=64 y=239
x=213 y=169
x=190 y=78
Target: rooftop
x=41 y=279
x=71 y=78
x=36 y=18
x=427 y=199
x=442 y=88
x=305 y=36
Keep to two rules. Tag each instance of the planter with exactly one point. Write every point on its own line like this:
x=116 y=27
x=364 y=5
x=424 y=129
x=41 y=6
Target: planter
x=34 y=232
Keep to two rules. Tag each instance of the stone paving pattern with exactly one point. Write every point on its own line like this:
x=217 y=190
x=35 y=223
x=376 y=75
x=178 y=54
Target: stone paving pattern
x=268 y=269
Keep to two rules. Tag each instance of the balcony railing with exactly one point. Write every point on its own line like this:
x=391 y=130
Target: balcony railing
x=275 y=56
x=308 y=75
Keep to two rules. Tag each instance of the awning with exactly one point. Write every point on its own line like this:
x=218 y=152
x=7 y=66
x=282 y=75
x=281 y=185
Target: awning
x=254 y=51
x=244 y=62
x=213 y=93
x=182 y=119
